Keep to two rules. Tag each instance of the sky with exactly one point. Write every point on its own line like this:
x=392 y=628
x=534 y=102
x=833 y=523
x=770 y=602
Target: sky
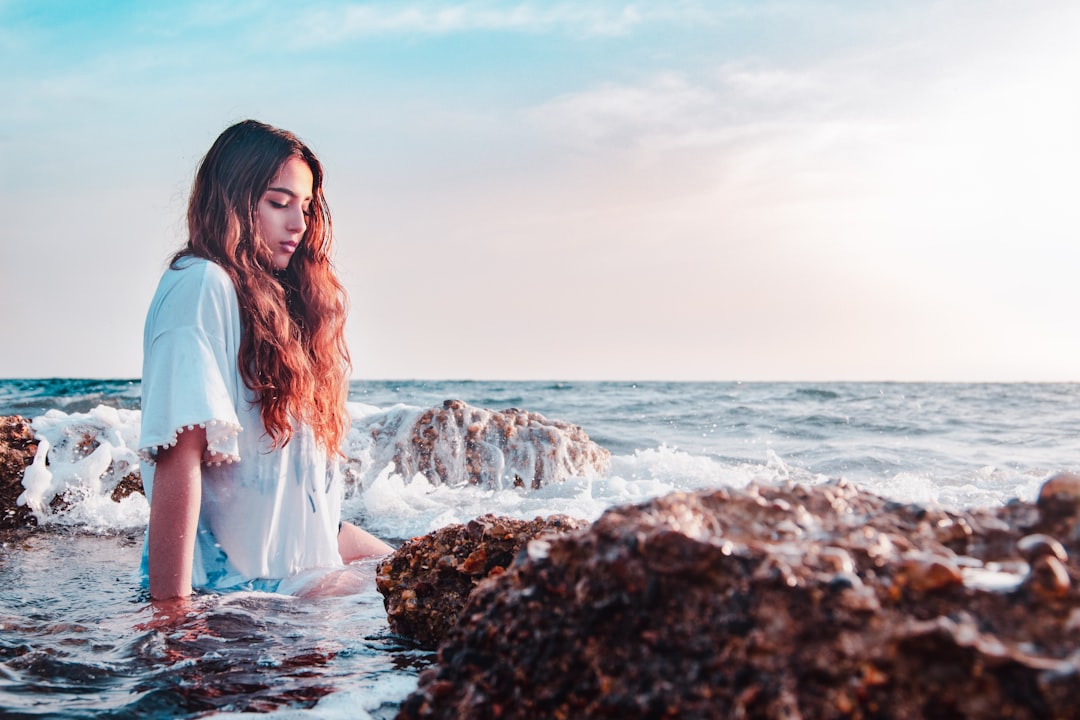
x=809 y=190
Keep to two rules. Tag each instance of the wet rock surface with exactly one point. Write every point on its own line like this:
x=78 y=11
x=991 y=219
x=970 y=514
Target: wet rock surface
x=426 y=581
x=777 y=602
x=459 y=444
x=17 y=448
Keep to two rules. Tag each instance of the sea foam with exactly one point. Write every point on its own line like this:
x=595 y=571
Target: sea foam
x=81 y=460
x=83 y=457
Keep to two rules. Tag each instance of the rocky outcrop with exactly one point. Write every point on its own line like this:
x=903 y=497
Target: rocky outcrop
x=426 y=582
x=777 y=602
x=17 y=448
x=458 y=444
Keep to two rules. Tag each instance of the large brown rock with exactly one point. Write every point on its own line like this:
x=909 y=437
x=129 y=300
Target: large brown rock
x=426 y=581
x=17 y=449
x=776 y=602
x=458 y=444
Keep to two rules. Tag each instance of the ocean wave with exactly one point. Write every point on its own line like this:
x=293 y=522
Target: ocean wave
x=959 y=446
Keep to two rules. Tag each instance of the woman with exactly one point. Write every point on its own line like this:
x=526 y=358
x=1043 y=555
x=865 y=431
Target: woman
x=245 y=373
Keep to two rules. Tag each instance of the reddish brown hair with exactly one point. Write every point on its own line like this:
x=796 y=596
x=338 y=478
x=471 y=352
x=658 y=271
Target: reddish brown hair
x=293 y=354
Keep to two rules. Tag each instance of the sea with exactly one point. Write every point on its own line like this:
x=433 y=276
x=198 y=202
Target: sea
x=80 y=639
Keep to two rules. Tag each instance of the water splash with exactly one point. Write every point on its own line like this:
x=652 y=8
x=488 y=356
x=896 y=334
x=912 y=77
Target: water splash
x=86 y=470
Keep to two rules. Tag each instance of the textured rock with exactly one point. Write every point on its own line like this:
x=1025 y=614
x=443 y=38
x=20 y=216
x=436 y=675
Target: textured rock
x=458 y=444
x=17 y=448
x=426 y=581
x=778 y=602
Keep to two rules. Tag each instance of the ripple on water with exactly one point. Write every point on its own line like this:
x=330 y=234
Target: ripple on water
x=97 y=649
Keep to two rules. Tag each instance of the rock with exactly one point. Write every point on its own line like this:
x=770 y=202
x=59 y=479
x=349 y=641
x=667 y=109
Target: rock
x=426 y=581
x=1032 y=547
x=130 y=484
x=1048 y=578
x=458 y=444
x=1060 y=495
x=17 y=448
x=821 y=602
x=1059 y=508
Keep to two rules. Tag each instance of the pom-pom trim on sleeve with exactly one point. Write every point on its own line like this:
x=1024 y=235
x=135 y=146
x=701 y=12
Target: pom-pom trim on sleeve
x=218 y=434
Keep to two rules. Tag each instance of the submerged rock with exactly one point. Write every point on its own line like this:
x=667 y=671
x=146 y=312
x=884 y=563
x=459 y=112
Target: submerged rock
x=458 y=444
x=775 y=602
x=426 y=581
x=17 y=448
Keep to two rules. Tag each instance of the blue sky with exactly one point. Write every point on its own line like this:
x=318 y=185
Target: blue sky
x=608 y=190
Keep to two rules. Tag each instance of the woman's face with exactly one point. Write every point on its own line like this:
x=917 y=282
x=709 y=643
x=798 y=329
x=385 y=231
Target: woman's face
x=283 y=210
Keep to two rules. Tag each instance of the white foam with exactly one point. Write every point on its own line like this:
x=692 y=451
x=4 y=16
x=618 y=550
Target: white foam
x=396 y=507
x=393 y=506
x=363 y=698
x=987 y=487
x=38 y=480
x=68 y=466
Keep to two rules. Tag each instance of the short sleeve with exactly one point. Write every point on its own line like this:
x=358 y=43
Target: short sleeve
x=189 y=368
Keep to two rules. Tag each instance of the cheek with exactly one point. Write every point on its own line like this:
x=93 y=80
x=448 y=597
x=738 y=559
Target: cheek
x=261 y=224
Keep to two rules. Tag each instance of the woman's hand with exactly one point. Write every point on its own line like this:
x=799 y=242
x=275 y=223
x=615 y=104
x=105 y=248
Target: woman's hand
x=174 y=515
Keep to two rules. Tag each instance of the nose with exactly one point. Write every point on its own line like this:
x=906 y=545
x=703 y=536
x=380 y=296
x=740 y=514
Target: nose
x=297 y=220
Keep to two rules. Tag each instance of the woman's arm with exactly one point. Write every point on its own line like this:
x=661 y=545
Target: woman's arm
x=356 y=544
x=174 y=515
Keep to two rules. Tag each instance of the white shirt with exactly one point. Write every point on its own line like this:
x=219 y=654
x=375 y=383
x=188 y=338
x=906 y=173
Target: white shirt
x=266 y=514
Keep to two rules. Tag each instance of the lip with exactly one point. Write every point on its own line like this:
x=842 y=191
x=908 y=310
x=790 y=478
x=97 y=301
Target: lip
x=288 y=246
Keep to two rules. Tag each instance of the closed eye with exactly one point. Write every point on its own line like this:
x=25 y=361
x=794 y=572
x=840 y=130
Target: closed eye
x=291 y=197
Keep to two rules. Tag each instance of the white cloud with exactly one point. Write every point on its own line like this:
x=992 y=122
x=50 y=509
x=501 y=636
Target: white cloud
x=348 y=21
x=627 y=115
x=922 y=186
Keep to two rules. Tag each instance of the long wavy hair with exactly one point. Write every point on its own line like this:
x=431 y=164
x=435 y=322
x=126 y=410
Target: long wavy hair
x=292 y=354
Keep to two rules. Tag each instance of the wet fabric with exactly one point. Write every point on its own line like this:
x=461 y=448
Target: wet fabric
x=266 y=514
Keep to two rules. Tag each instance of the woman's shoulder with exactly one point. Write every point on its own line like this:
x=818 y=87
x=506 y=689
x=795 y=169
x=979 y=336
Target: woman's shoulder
x=197 y=267
x=193 y=294
x=195 y=275
x=191 y=283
